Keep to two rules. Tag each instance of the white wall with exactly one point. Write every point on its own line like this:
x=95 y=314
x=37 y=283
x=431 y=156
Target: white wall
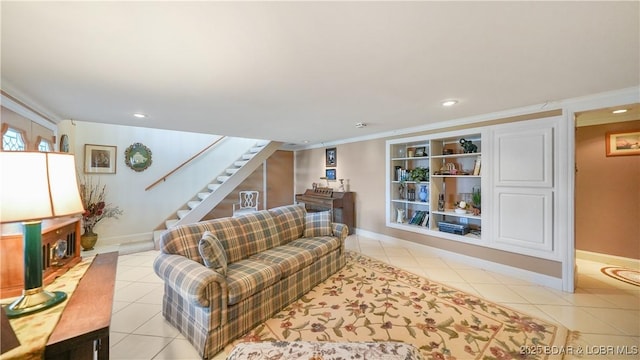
x=145 y=210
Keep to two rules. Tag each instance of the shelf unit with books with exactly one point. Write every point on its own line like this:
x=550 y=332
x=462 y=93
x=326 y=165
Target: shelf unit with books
x=454 y=176
x=408 y=188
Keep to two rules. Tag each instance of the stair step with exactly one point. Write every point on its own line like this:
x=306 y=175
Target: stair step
x=170 y=223
x=156 y=238
x=135 y=247
x=196 y=201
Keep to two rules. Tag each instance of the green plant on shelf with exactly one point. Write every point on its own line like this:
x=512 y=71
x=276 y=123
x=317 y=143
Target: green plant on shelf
x=419 y=174
x=476 y=197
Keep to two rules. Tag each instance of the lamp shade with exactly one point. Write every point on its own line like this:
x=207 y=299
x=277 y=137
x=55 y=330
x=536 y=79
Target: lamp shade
x=37 y=185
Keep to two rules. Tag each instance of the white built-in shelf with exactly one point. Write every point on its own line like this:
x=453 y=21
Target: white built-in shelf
x=456 y=176
x=454 y=156
x=411 y=202
x=411 y=158
x=453 y=213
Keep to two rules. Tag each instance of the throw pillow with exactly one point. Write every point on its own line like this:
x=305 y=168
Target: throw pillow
x=318 y=224
x=213 y=253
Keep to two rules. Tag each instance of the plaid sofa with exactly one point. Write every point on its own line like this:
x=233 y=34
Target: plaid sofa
x=272 y=258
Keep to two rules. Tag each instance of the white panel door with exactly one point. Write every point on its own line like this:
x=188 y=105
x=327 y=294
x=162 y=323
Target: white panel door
x=523 y=199
x=524 y=157
x=525 y=219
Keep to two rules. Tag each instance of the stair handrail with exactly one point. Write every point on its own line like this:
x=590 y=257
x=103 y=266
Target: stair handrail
x=164 y=178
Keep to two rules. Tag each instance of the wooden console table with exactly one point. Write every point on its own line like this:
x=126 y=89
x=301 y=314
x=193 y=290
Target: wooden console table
x=83 y=329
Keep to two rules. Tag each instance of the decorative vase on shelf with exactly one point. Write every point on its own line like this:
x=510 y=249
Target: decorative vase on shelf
x=400 y=217
x=88 y=240
x=423 y=195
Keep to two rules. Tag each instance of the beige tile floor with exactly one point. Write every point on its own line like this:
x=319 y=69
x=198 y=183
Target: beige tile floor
x=604 y=310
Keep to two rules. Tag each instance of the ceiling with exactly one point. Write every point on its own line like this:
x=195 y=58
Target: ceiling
x=308 y=72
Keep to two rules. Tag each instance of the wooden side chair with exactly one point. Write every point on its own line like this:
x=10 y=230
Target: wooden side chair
x=248 y=203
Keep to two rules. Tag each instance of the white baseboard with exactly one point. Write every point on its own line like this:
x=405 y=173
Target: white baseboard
x=127 y=244
x=536 y=278
x=125 y=239
x=609 y=259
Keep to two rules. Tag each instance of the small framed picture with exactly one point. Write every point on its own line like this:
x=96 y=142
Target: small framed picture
x=330 y=174
x=331 y=157
x=420 y=151
x=99 y=159
x=623 y=143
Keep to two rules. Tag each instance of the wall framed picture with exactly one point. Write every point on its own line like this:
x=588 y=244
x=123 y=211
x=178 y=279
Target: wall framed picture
x=137 y=157
x=623 y=143
x=331 y=157
x=330 y=174
x=99 y=159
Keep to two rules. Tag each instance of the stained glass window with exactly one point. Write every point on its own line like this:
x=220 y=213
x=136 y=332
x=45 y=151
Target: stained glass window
x=44 y=145
x=12 y=140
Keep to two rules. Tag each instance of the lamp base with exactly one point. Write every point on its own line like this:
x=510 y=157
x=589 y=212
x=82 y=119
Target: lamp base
x=34 y=300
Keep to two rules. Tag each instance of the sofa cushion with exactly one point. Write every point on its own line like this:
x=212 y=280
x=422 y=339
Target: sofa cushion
x=290 y=220
x=212 y=252
x=320 y=246
x=318 y=224
x=231 y=235
x=289 y=258
x=260 y=232
x=247 y=277
x=184 y=239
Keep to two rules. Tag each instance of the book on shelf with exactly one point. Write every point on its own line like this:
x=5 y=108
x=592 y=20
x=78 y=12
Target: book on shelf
x=425 y=221
x=476 y=168
x=420 y=217
x=401 y=174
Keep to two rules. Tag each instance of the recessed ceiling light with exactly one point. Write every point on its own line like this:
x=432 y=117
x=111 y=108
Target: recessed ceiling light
x=140 y=115
x=619 y=111
x=449 y=102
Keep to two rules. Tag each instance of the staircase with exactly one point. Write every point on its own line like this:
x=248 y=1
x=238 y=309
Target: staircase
x=207 y=199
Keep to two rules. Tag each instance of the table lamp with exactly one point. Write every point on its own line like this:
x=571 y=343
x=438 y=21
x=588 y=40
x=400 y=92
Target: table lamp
x=36 y=186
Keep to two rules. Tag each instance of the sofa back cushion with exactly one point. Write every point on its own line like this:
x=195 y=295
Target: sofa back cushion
x=290 y=220
x=241 y=237
x=259 y=231
x=184 y=239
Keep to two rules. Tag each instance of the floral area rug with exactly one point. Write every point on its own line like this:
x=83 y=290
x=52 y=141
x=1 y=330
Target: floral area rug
x=369 y=300
x=627 y=275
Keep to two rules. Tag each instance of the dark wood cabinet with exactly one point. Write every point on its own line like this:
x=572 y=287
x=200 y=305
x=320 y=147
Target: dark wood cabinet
x=341 y=204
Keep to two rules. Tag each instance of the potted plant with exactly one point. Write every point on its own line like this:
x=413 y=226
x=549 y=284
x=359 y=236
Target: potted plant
x=476 y=198
x=419 y=174
x=93 y=196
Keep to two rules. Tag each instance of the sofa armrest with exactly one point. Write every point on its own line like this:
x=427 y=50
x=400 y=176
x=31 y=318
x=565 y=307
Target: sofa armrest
x=195 y=282
x=341 y=231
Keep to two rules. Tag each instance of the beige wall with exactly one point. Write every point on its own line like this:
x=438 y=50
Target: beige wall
x=362 y=165
x=607 y=194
